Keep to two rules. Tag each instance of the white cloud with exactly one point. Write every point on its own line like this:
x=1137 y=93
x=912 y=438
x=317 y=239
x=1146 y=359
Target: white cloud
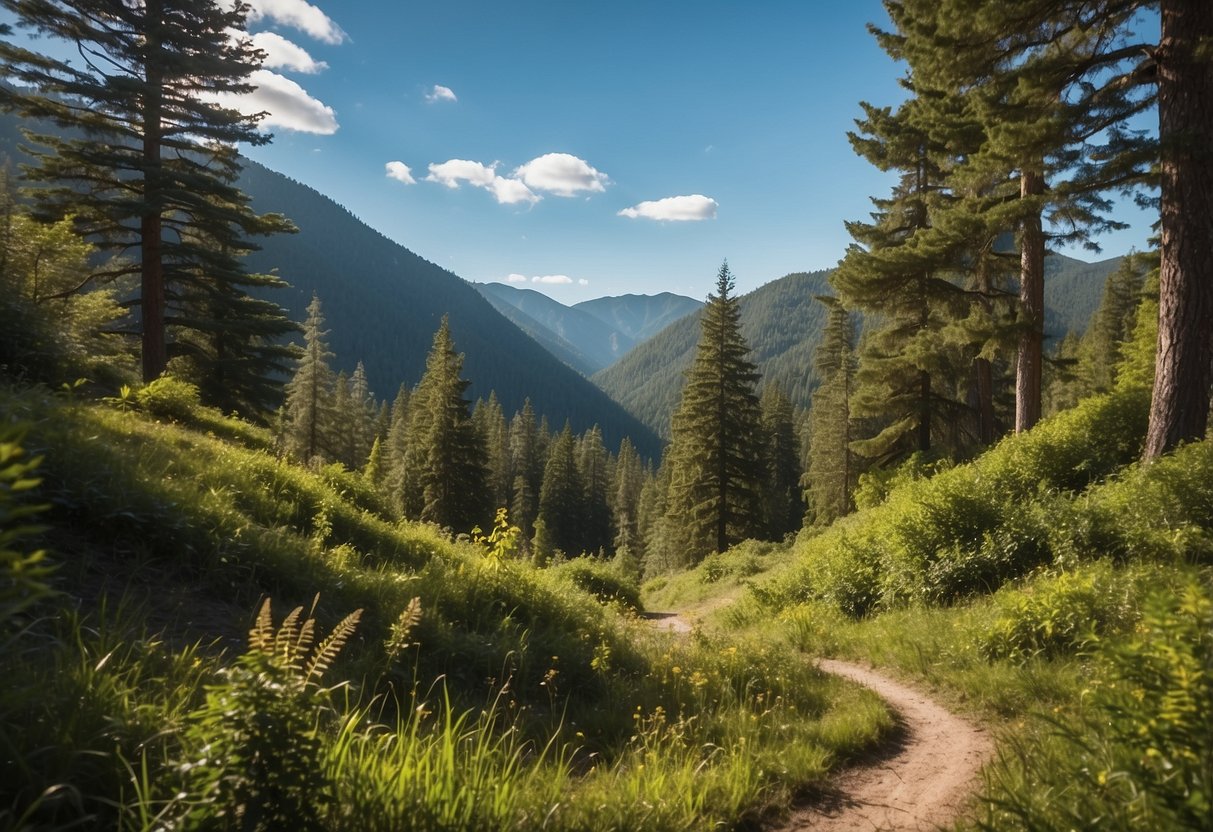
x=583 y=282
x=674 y=209
x=280 y=53
x=400 y=172
x=288 y=104
x=561 y=174
x=440 y=93
x=453 y=172
x=553 y=279
x=516 y=278
x=298 y=14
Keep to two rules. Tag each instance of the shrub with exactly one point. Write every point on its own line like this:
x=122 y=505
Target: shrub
x=1059 y=614
x=1138 y=756
x=169 y=398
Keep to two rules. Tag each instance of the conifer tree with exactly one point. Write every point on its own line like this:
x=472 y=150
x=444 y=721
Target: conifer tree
x=657 y=553
x=592 y=470
x=716 y=454
x=342 y=431
x=783 y=500
x=626 y=489
x=151 y=161
x=444 y=460
x=308 y=408
x=832 y=468
x=561 y=499
x=361 y=418
x=902 y=275
x=527 y=463
x=396 y=451
x=494 y=432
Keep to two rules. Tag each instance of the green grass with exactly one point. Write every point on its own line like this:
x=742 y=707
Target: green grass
x=516 y=699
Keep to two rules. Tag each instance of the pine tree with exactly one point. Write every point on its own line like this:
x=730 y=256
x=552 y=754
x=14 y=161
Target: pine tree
x=308 y=408
x=445 y=457
x=527 y=463
x=342 y=439
x=561 y=499
x=495 y=433
x=151 y=161
x=396 y=451
x=832 y=468
x=716 y=456
x=592 y=471
x=626 y=490
x=783 y=500
x=902 y=274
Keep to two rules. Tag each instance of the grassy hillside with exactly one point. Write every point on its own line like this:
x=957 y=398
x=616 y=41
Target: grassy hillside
x=503 y=697
x=1053 y=587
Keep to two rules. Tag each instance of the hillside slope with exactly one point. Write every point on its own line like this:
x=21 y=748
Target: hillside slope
x=578 y=339
x=640 y=317
x=782 y=322
x=383 y=303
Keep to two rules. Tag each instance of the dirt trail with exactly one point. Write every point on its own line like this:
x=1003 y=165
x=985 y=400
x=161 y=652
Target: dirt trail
x=919 y=780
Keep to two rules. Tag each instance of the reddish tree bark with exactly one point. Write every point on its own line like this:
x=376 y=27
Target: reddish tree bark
x=1180 y=405
x=1029 y=357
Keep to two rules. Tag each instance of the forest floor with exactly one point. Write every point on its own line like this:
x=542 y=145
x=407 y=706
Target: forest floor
x=921 y=778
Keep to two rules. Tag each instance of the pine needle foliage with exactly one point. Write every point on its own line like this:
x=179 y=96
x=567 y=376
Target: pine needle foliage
x=717 y=451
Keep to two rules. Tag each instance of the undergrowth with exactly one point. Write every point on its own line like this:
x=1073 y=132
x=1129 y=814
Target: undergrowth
x=475 y=692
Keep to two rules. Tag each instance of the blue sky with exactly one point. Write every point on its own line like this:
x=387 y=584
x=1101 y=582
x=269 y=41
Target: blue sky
x=562 y=140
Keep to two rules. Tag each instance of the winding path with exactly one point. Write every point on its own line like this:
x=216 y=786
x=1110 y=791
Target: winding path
x=922 y=779
x=919 y=780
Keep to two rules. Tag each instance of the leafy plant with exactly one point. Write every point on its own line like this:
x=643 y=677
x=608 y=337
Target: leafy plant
x=23 y=574
x=502 y=542
x=169 y=398
x=256 y=761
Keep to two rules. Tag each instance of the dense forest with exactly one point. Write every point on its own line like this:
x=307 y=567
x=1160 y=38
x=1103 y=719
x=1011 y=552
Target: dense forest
x=240 y=590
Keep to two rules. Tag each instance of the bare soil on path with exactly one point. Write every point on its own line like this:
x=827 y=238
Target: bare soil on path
x=920 y=779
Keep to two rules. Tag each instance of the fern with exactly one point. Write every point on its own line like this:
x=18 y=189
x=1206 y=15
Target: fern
x=326 y=652
x=398 y=638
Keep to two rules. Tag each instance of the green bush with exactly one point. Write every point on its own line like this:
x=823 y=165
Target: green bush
x=1059 y=614
x=969 y=529
x=1138 y=755
x=169 y=398
x=602 y=580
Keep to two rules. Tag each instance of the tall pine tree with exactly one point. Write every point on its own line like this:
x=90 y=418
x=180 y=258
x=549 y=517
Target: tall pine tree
x=716 y=453
x=150 y=164
x=309 y=394
x=832 y=468
x=445 y=455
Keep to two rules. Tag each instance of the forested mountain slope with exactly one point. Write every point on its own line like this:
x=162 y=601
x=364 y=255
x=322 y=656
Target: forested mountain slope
x=383 y=304
x=782 y=322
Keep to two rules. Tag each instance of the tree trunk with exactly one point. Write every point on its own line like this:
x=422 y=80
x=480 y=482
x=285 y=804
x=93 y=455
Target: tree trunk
x=1180 y=405
x=1029 y=358
x=151 y=293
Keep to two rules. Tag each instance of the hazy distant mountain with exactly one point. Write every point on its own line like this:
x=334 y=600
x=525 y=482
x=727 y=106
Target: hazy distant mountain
x=577 y=338
x=591 y=335
x=782 y=322
x=640 y=317
x=1073 y=289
